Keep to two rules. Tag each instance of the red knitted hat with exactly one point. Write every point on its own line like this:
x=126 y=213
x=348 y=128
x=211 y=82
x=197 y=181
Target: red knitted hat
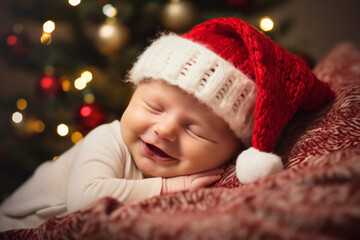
x=255 y=85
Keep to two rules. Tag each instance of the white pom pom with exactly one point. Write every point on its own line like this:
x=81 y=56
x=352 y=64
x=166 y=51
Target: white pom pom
x=253 y=164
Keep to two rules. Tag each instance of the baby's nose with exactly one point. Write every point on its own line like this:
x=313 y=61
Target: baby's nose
x=166 y=129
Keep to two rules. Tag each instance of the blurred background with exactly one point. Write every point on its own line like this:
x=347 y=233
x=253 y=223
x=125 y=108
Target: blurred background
x=63 y=62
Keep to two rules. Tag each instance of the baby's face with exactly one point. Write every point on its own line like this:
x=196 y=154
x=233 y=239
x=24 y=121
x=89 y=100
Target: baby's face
x=170 y=133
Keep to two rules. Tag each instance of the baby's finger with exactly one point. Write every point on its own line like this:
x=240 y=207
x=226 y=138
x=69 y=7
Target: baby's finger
x=215 y=171
x=202 y=182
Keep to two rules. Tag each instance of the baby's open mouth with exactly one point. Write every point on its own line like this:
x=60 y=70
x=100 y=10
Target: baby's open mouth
x=156 y=150
x=157 y=153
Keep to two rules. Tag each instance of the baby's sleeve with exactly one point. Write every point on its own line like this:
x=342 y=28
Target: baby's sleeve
x=98 y=171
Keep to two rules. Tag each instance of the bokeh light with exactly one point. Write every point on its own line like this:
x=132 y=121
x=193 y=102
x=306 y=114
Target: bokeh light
x=87 y=76
x=109 y=10
x=49 y=26
x=89 y=98
x=11 y=40
x=65 y=83
x=80 y=83
x=76 y=137
x=17 y=117
x=266 y=24
x=74 y=2
x=38 y=126
x=85 y=111
x=21 y=104
x=62 y=129
x=46 y=39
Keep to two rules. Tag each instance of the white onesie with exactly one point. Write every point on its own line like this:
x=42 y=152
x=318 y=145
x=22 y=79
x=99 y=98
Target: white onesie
x=100 y=165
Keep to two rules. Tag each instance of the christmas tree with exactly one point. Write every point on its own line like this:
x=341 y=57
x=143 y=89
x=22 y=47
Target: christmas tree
x=81 y=60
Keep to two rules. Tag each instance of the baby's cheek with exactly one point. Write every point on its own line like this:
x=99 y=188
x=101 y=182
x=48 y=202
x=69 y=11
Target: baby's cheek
x=203 y=156
x=218 y=156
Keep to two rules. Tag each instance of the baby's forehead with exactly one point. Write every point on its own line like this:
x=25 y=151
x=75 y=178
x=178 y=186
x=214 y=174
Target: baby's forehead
x=173 y=94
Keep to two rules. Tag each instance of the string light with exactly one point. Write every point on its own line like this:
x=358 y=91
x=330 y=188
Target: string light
x=76 y=137
x=87 y=76
x=80 y=83
x=21 y=104
x=62 y=129
x=48 y=26
x=266 y=24
x=109 y=10
x=17 y=117
x=46 y=39
x=65 y=83
x=74 y=2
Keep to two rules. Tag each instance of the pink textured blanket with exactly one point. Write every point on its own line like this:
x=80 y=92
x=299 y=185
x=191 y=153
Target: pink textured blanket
x=316 y=197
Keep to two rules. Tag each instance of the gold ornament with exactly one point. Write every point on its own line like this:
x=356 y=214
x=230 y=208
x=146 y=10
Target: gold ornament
x=178 y=15
x=111 y=37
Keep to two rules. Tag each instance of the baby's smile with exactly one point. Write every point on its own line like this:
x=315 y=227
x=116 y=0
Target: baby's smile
x=157 y=154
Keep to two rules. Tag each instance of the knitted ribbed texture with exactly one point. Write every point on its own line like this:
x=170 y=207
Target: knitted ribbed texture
x=285 y=83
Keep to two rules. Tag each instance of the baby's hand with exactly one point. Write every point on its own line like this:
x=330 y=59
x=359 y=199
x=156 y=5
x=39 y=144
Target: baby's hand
x=191 y=182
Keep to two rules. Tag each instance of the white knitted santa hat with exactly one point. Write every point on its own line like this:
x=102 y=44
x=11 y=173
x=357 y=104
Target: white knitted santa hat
x=253 y=84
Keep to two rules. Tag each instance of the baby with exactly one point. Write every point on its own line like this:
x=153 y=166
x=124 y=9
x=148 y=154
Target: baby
x=199 y=99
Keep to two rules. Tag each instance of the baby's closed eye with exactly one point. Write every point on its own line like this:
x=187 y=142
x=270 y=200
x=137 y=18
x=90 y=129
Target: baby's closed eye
x=198 y=133
x=154 y=108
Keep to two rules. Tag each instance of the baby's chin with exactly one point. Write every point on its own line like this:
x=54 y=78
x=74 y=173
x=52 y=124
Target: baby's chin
x=163 y=175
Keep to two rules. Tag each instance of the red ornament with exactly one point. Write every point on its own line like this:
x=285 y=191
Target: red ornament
x=49 y=86
x=89 y=116
x=15 y=45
